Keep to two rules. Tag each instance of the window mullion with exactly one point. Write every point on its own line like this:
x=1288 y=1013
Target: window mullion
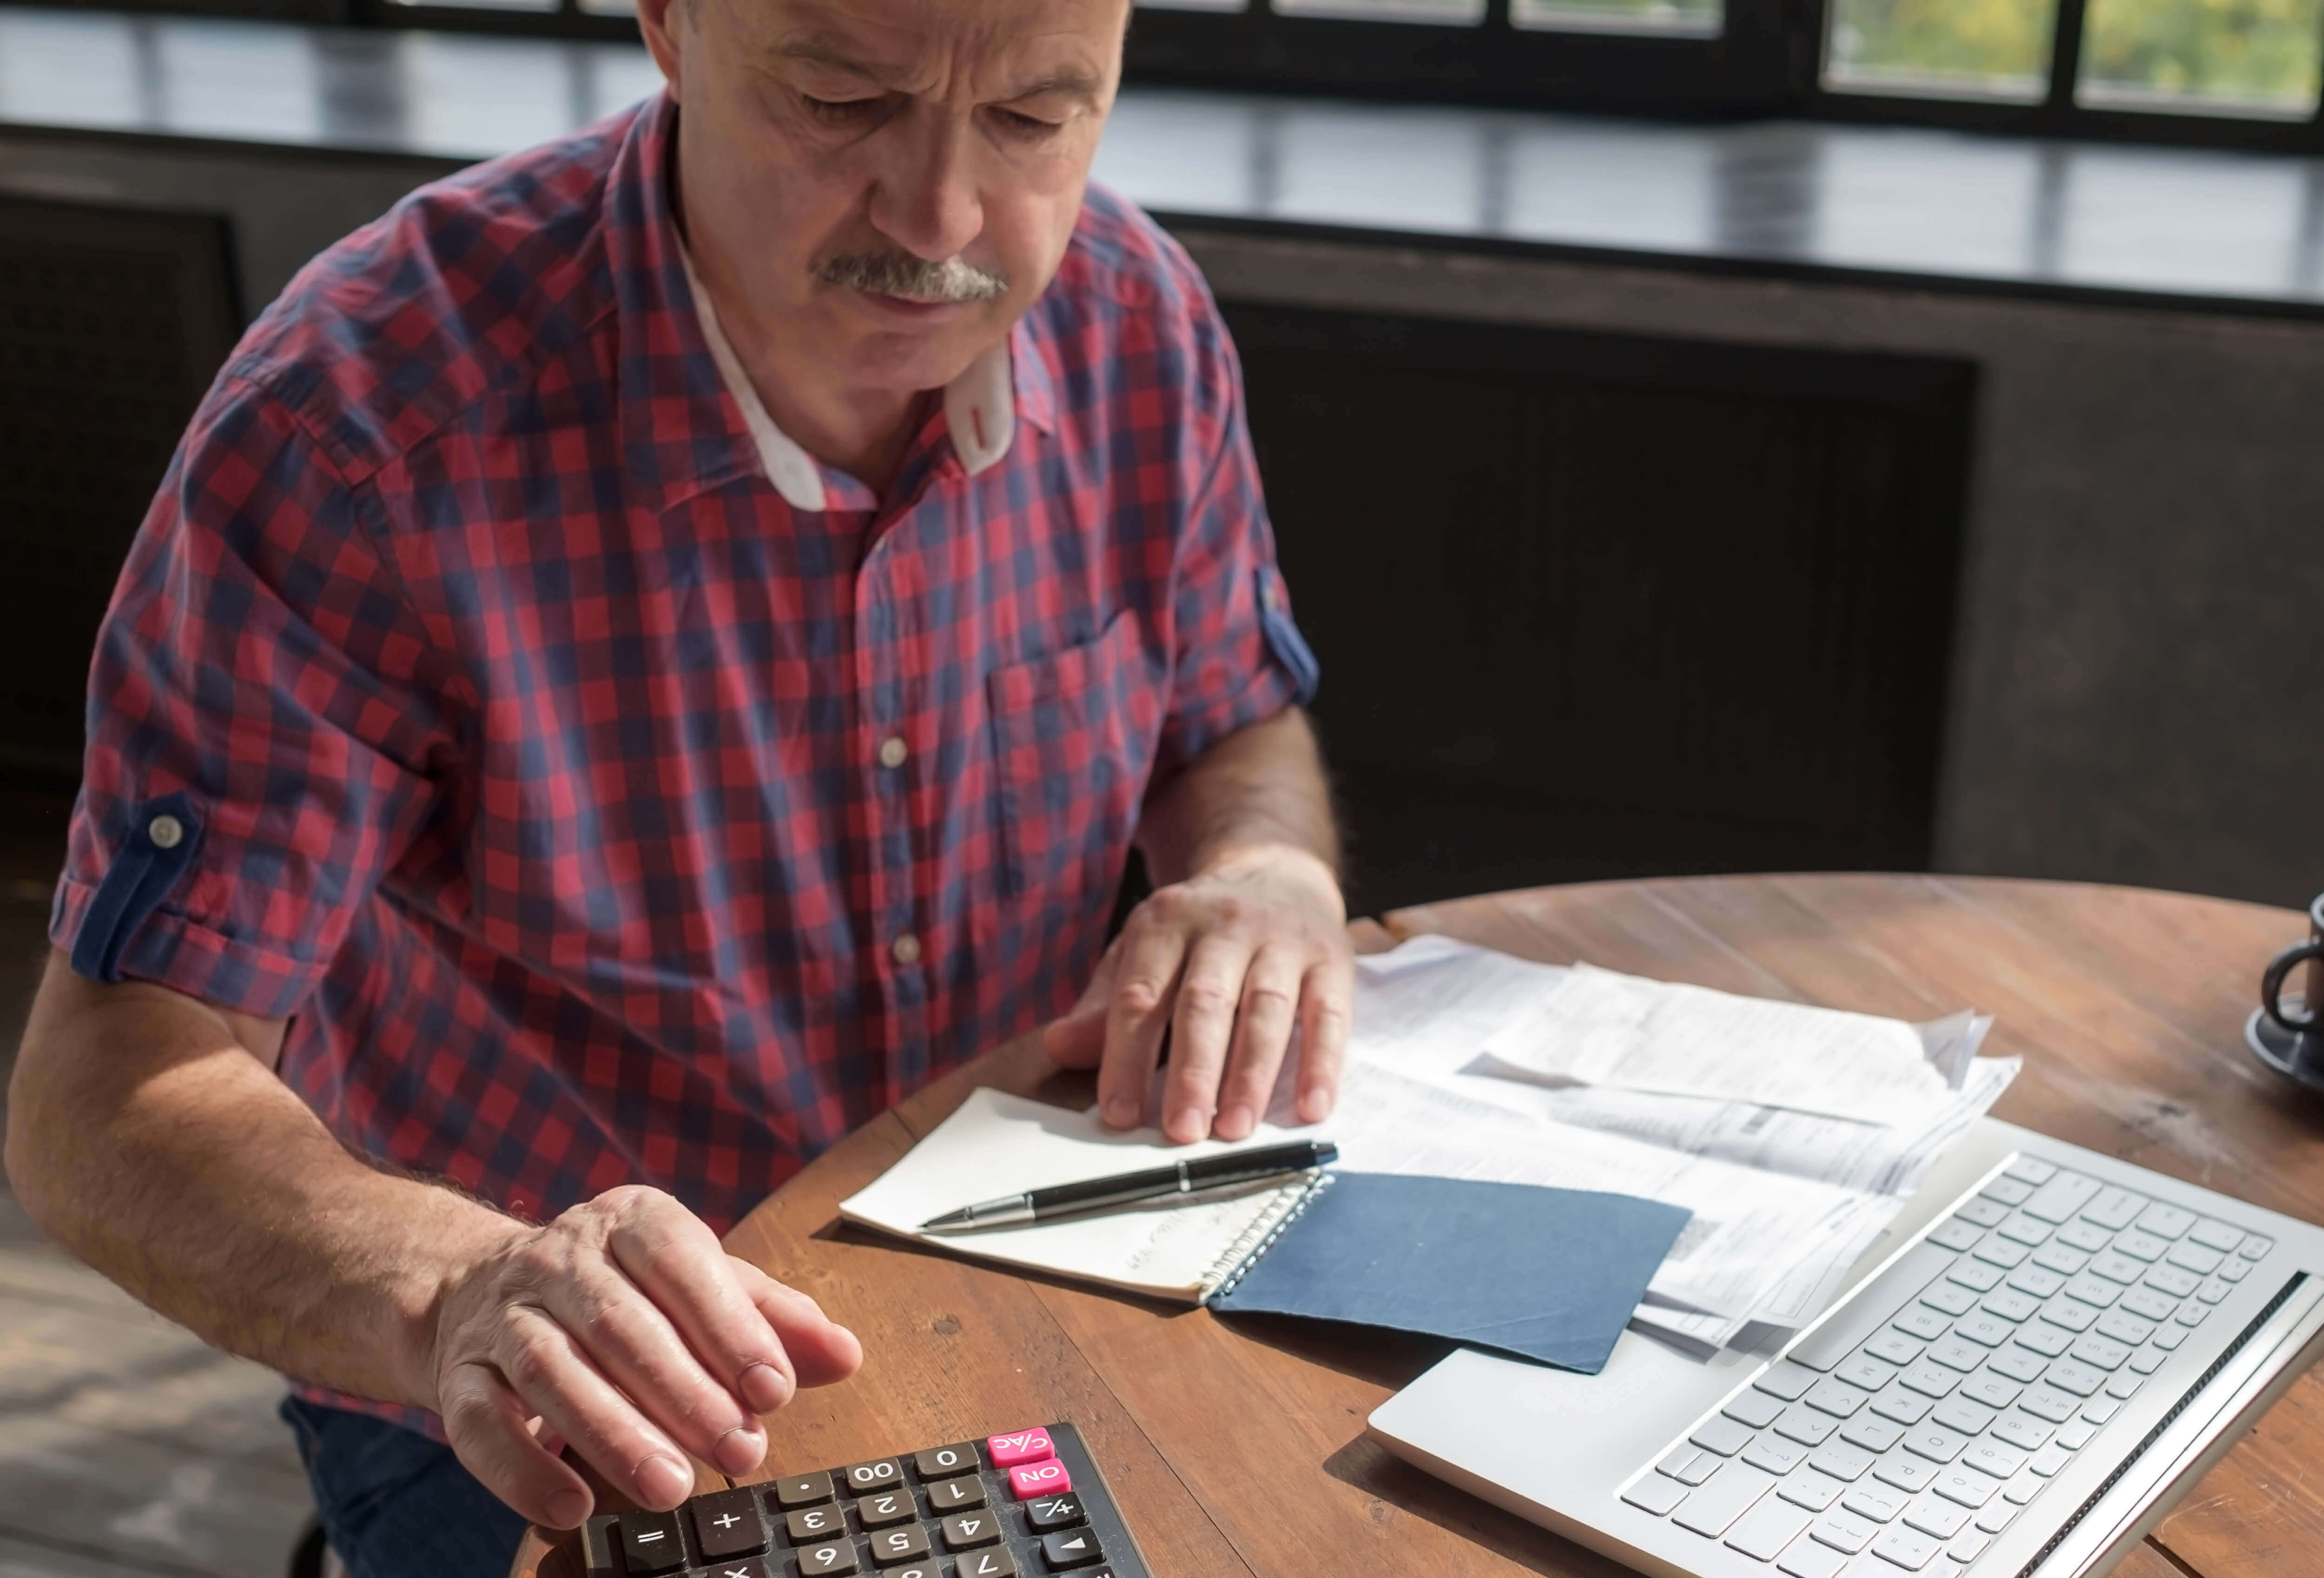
x=2066 y=55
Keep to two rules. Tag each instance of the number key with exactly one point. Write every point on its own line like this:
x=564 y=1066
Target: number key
x=966 y=1530
x=992 y=1564
x=810 y=1525
x=863 y=1478
x=942 y=1463
x=886 y=1508
x=907 y=1543
x=837 y=1555
x=956 y=1495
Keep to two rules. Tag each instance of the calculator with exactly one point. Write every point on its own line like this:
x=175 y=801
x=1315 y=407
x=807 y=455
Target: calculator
x=1024 y=1503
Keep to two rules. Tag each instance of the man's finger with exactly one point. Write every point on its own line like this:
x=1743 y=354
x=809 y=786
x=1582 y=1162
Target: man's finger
x=1271 y=1003
x=546 y=1369
x=1326 y=1011
x=721 y=1365
x=486 y=1426
x=1202 y=1023
x=1078 y=1040
x=1152 y=949
x=821 y=1350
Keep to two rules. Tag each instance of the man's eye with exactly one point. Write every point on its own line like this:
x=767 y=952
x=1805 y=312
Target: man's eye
x=1025 y=125
x=839 y=109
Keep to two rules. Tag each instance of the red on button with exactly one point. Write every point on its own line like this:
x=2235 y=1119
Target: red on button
x=1020 y=1447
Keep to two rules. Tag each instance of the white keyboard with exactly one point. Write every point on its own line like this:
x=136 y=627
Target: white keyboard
x=1910 y=1428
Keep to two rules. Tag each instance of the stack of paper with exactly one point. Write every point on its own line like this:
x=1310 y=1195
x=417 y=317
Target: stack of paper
x=1794 y=1134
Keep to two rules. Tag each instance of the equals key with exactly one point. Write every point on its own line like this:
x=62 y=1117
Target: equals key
x=650 y=1542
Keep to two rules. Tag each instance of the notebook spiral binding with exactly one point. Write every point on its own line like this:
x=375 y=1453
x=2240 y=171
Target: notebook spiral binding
x=1260 y=1237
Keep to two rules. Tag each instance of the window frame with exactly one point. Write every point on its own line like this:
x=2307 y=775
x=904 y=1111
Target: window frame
x=1768 y=60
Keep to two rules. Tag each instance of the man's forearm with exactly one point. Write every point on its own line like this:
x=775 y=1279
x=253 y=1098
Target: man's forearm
x=145 y=1138
x=1260 y=787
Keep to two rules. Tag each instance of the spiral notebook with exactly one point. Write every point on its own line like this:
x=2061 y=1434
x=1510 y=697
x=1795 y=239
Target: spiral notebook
x=1546 y=1274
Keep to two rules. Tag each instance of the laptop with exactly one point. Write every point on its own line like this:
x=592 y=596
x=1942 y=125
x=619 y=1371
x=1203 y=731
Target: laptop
x=2048 y=1350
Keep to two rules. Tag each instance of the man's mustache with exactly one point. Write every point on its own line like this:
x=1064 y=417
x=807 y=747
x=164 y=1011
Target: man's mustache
x=900 y=273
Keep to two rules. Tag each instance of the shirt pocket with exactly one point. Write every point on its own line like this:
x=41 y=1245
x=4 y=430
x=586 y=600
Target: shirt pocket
x=1073 y=743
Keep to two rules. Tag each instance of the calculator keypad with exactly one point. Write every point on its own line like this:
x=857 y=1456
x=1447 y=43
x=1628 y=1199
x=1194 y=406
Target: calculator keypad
x=953 y=1511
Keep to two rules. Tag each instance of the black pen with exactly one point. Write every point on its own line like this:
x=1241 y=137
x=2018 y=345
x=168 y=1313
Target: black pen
x=1182 y=1177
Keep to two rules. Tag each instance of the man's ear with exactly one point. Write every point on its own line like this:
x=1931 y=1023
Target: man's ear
x=660 y=23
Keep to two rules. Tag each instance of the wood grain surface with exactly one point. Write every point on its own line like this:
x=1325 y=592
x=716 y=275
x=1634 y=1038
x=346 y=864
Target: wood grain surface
x=1240 y=1448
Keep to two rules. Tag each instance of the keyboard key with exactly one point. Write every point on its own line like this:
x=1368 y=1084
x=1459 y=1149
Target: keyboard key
x=1969 y=1548
x=2102 y=1411
x=1070 y=1548
x=1920 y=1321
x=2061 y=1258
x=1995 y=1457
x=2086 y=1236
x=1987 y=1330
x=2098 y=1352
x=1949 y=1296
x=2044 y=1339
x=1984 y=1212
x=650 y=1542
x=1893 y=1347
x=2195 y=1258
x=863 y=1478
x=1994 y=1391
x=2256 y=1247
x=2073 y=1438
x=1713 y=1508
x=943 y=1463
x=2169 y=1339
x=1691 y=1466
x=955 y=1495
x=2019 y=1364
x=1774 y=1453
x=886 y=1508
x=1997 y=1517
x=1934 y=1442
x=2147 y=1361
x=1956 y=1413
x=1755 y=1408
x=802 y=1490
x=1844 y=1329
x=966 y=1531
x=1807 y=1559
x=2008 y=1190
x=2024 y=1230
x=2000 y=1251
x=2060 y=1197
x=1866 y=1371
x=2115 y=1210
x=1805 y=1426
x=1029 y=1480
x=2038 y=1282
x=1843 y=1531
x=930 y=1568
x=2141 y=1246
x=1871 y=1433
x=1842 y=1460
x=2235 y=1268
x=1811 y=1489
x=1928 y=1379
x=2121 y=1326
x=1054 y=1512
x=2031 y=1169
x=2011 y=1305
x=2165 y=1221
x=2094 y=1291
x=1964 y=1486
x=2021 y=1431
x=2054 y=1407
x=1955 y=1352
x=2024 y=1487
x=1905 y=1472
x=1018 y=1446
x=2171 y=1279
x=2148 y=1304
x=992 y=1564
x=1768 y=1527
x=810 y=1524
x=1907 y=1548
x=2214 y=1290
x=890 y=1546
x=2070 y=1313
x=1836 y=1397
x=1877 y=1503
x=837 y=1555
x=1936 y=1518
x=1722 y=1435
x=1655 y=1494
x=1976 y=1274
x=1956 y=1234
x=1786 y=1380
x=2075 y=1377
x=726 y=1524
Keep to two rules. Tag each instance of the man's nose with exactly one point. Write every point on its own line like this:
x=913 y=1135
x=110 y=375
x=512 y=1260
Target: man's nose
x=927 y=202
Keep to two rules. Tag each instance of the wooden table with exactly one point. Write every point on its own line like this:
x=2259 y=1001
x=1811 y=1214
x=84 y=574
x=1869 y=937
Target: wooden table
x=1240 y=1450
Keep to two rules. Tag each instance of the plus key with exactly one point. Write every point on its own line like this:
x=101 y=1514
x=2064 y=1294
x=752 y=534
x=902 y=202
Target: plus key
x=726 y=1524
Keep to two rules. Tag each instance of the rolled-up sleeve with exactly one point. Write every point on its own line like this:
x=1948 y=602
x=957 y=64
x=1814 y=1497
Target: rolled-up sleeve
x=267 y=723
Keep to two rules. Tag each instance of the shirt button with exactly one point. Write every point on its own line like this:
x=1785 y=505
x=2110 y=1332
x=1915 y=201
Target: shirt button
x=906 y=949
x=892 y=751
x=166 y=831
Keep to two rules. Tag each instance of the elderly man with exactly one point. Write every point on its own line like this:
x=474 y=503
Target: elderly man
x=648 y=654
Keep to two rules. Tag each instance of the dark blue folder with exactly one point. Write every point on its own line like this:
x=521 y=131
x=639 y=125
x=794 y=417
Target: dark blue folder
x=1544 y=1274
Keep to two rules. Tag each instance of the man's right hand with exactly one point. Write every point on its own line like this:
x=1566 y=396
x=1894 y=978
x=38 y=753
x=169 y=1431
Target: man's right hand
x=628 y=1331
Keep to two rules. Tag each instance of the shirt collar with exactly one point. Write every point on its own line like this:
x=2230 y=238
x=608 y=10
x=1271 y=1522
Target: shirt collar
x=681 y=437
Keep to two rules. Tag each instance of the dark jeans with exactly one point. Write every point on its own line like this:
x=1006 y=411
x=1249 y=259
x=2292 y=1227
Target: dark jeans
x=395 y=1504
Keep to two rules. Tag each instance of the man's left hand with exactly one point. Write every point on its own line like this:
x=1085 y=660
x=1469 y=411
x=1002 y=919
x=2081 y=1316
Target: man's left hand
x=1231 y=961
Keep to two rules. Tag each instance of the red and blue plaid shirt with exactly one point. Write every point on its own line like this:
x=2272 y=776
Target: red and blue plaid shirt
x=474 y=696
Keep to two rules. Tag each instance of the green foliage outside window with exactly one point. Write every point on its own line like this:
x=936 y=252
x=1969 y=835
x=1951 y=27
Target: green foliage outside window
x=1996 y=47
x=2260 y=52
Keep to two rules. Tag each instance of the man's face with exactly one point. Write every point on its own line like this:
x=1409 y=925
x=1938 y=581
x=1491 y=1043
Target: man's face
x=888 y=184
